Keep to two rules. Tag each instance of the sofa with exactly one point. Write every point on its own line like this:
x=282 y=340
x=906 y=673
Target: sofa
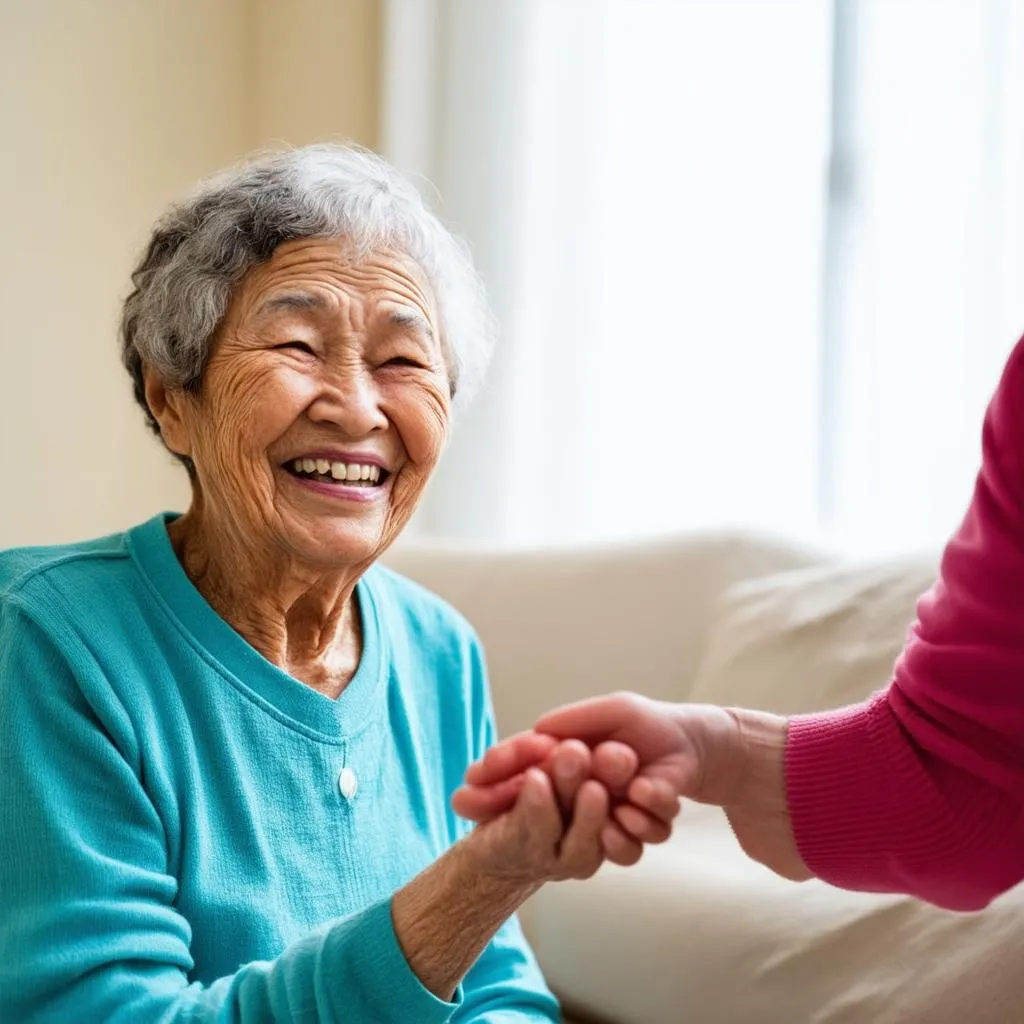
x=696 y=932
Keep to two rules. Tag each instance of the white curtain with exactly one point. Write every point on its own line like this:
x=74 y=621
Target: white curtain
x=756 y=263
x=926 y=278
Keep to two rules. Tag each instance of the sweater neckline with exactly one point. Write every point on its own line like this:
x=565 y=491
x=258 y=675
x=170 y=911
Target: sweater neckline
x=241 y=664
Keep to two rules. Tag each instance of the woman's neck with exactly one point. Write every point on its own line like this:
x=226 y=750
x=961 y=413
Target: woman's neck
x=305 y=622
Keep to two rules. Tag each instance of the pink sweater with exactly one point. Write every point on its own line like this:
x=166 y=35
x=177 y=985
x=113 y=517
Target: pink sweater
x=921 y=788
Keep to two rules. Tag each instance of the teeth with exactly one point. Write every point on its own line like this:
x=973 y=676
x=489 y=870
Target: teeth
x=353 y=471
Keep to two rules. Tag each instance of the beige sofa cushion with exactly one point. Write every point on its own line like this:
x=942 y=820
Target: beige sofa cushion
x=698 y=933
x=813 y=638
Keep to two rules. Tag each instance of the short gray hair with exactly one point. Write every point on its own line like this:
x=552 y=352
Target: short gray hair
x=201 y=248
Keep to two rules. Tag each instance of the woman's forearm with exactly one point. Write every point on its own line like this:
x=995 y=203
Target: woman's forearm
x=445 y=917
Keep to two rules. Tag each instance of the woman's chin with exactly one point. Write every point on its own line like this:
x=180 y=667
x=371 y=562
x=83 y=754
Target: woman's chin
x=339 y=544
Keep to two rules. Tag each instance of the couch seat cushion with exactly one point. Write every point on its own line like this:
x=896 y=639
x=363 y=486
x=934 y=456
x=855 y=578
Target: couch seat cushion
x=698 y=934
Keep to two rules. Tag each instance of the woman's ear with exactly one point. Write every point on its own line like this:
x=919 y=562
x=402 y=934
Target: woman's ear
x=168 y=408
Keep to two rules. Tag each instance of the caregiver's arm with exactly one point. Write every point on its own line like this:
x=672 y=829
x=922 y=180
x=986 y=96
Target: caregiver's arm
x=917 y=790
x=89 y=925
x=921 y=789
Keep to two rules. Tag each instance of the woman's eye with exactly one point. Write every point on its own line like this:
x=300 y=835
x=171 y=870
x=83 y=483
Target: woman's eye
x=405 y=361
x=297 y=346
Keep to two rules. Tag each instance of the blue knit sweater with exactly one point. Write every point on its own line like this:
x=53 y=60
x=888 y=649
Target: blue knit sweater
x=189 y=834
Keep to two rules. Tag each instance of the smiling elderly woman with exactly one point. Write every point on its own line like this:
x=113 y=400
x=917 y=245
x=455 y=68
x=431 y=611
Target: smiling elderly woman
x=227 y=739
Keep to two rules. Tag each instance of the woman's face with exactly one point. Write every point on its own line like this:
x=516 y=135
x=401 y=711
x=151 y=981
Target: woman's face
x=324 y=406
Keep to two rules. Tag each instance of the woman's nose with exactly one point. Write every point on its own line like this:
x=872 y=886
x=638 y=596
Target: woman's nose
x=352 y=402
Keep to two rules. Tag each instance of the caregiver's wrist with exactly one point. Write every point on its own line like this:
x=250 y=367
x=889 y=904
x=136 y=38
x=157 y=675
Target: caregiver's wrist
x=759 y=755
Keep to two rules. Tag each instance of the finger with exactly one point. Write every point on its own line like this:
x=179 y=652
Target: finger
x=614 y=765
x=481 y=803
x=618 y=847
x=656 y=796
x=581 y=852
x=509 y=758
x=569 y=767
x=640 y=825
x=537 y=808
x=590 y=720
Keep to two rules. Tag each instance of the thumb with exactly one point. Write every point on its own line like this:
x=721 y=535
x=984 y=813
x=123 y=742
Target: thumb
x=537 y=809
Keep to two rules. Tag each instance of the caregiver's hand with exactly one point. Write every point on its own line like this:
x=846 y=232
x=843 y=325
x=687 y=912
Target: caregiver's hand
x=732 y=758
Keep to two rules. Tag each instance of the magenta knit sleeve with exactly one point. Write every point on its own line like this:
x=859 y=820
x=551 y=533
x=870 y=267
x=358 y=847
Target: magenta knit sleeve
x=921 y=788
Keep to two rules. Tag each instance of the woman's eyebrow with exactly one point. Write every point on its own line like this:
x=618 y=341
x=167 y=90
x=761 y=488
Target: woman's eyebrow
x=407 y=319
x=292 y=301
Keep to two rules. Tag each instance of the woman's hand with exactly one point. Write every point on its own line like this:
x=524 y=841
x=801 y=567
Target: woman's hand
x=730 y=758
x=532 y=843
x=568 y=764
x=493 y=783
x=555 y=827
x=559 y=824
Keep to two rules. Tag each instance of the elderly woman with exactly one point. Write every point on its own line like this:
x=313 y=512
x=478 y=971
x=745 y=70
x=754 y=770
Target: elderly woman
x=227 y=738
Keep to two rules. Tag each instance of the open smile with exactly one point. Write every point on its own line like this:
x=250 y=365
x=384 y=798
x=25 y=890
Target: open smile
x=345 y=478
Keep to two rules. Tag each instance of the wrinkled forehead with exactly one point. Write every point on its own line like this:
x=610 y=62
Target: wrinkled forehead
x=314 y=273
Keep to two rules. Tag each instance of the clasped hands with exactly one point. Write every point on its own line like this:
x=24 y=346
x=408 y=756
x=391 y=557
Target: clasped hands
x=601 y=779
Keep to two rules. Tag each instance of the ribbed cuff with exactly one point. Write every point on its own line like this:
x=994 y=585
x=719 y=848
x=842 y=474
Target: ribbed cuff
x=854 y=788
x=384 y=986
x=872 y=810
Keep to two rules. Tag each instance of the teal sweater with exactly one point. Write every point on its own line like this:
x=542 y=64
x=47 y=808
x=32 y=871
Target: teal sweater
x=189 y=834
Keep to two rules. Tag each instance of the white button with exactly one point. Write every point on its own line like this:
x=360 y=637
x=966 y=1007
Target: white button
x=348 y=783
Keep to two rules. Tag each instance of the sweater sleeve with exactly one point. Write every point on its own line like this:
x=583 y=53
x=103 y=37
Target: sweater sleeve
x=921 y=789
x=505 y=985
x=89 y=929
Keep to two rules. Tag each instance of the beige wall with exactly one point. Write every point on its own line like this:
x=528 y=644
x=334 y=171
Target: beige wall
x=318 y=70
x=107 y=110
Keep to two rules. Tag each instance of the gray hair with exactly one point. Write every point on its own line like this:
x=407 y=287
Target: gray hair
x=201 y=248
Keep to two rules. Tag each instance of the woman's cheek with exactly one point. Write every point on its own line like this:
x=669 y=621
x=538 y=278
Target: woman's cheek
x=422 y=423
x=258 y=404
x=237 y=423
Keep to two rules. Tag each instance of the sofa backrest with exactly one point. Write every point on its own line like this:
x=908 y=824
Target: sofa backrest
x=813 y=638
x=562 y=624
